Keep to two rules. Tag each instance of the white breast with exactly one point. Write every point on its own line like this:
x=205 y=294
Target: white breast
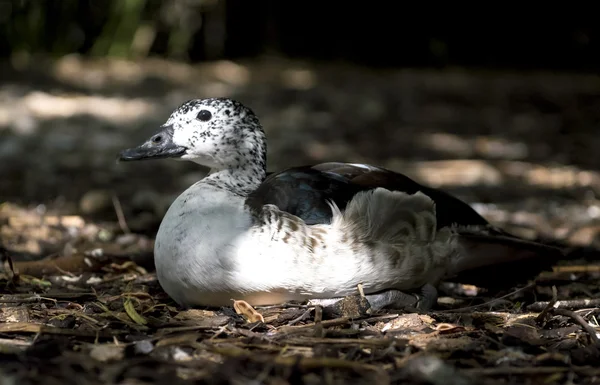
x=191 y=250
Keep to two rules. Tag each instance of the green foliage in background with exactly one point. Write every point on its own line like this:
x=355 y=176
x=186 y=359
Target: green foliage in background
x=115 y=28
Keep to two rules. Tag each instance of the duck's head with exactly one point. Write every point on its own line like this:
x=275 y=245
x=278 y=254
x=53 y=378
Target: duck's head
x=218 y=133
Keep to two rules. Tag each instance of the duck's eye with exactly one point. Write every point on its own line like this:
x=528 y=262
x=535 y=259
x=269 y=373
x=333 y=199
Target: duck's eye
x=204 y=115
x=157 y=139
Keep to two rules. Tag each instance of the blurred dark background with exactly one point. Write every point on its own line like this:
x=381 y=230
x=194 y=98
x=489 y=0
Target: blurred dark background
x=499 y=105
x=380 y=33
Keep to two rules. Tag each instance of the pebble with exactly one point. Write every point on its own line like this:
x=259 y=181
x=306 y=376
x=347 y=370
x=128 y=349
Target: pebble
x=143 y=347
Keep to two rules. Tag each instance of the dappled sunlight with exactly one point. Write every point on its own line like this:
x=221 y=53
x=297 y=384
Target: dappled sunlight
x=470 y=172
x=114 y=110
x=230 y=72
x=98 y=74
x=311 y=113
x=485 y=146
x=104 y=74
x=24 y=114
x=450 y=173
x=552 y=176
x=299 y=79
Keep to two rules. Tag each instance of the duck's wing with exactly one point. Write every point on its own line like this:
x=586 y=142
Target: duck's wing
x=494 y=258
x=303 y=191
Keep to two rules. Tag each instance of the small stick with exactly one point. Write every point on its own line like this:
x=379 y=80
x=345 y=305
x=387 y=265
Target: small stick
x=120 y=214
x=566 y=304
x=319 y=330
x=301 y=318
x=531 y=370
x=30 y=299
x=549 y=306
x=579 y=320
x=326 y=323
x=488 y=302
x=361 y=290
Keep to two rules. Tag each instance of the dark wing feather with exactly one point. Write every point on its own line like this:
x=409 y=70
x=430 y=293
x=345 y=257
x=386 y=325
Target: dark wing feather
x=303 y=191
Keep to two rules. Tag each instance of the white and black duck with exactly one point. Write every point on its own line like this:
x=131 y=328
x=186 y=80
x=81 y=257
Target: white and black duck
x=312 y=232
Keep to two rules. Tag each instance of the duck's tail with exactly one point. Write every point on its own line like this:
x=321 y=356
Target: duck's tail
x=500 y=261
x=471 y=255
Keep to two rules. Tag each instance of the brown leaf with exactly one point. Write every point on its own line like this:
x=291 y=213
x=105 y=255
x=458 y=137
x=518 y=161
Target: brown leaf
x=521 y=335
x=247 y=311
x=446 y=328
x=193 y=315
x=407 y=323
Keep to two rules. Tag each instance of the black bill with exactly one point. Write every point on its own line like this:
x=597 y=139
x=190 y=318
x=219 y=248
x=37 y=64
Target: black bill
x=160 y=145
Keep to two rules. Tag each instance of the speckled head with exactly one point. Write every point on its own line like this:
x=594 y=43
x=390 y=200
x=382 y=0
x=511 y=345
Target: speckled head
x=218 y=133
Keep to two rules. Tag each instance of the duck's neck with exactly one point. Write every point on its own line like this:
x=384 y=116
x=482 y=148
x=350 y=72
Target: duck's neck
x=241 y=179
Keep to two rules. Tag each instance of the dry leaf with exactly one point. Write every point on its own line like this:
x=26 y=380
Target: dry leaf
x=446 y=328
x=247 y=311
x=410 y=322
x=132 y=313
x=193 y=315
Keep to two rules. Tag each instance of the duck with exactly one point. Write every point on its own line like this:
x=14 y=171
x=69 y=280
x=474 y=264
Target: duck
x=311 y=233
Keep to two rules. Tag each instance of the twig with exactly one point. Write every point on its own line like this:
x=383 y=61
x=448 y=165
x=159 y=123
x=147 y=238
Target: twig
x=384 y=317
x=27 y=327
x=566 y=304
x=9 y=265
x=221 y=330
x=120 y=214
x=179 y=329
x=488 y=302
x=361 y=291
x=531 y=370
x=511 y=370
x=549 y=306
x=301 y=318
x=319 y=330
x=326 y=323
x=579 y=320
x=318 y=314
x=311 y=341
x=30 y=299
